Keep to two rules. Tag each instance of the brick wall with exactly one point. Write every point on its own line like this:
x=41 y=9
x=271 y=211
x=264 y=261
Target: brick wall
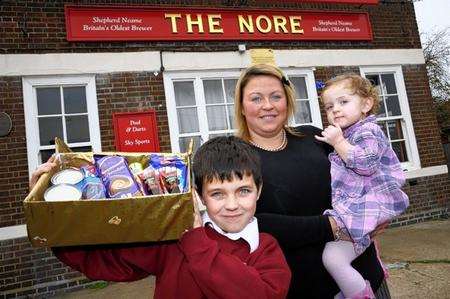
x=423 y=115
x=13 y=153
x=429 y=198
x=34 y=272
x=130 y=92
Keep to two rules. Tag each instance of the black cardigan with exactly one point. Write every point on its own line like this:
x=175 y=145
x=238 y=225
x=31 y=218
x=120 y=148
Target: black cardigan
x=296 y=191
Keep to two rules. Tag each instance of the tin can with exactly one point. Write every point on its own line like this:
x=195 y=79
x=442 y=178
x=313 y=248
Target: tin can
x=62 y=192
x=71 y=176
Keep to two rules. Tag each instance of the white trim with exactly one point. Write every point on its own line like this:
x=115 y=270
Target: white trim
x=30 y=111
x=77 y=63
x=410 y=137
x=339 y=57
x=13 y=232
x=426 y=172
x=82 y=63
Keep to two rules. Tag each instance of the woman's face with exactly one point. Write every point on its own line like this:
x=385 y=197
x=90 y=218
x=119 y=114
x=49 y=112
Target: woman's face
x=264 y=106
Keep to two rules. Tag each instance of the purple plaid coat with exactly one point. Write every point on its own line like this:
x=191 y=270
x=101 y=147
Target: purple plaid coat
x=366 y=190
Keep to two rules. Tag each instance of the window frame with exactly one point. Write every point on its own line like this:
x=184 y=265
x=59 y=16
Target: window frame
x=197 y=76
x=410 y=138
x=313 y=97
x=29 y=85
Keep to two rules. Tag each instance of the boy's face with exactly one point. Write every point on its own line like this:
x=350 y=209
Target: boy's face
x=231 y=204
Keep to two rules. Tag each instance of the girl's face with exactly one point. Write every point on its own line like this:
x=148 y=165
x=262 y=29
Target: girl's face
x=264 y=106
x=343 y=107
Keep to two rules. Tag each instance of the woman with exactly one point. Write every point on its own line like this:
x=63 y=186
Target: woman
x=296 y=183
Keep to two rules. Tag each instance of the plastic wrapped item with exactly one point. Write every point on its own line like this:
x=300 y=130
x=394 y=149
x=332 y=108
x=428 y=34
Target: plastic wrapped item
x=172 y=172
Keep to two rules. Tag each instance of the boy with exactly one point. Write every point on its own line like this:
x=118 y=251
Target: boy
x=223 y=256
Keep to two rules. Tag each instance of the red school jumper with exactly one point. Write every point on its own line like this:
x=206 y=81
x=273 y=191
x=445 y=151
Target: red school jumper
x=202 y=264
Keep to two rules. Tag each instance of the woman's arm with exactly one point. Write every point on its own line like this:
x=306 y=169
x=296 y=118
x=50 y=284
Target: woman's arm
x=222 y=275
x=297 y=231
x=119 y=264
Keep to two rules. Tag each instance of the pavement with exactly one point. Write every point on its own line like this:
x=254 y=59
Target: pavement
x=418 y=258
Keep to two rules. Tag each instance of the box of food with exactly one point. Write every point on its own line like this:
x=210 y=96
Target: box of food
x=110 y=204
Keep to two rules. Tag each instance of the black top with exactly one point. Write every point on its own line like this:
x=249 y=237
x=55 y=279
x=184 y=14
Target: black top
x=296 y=191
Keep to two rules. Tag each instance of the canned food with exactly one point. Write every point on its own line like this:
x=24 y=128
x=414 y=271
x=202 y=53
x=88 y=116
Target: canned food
x=62 y=192
x=71 y=176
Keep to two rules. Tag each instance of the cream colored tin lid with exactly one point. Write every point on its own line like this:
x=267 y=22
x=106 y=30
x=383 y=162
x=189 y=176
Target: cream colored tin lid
x=67 y=176
x=62 y=192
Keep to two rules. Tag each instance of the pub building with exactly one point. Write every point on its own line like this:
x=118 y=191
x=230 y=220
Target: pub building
x=110 y=76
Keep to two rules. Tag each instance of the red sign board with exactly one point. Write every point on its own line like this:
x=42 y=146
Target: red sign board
x=337 y=1
x=171 y=24
x=136 y=132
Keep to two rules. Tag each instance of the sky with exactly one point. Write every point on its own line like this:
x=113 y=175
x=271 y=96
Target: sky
x=432 y=15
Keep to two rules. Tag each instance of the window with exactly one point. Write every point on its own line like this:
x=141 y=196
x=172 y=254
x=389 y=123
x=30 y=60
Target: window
x=393 y=115
x=308 y=111
x=64 y=107
x=200 y=105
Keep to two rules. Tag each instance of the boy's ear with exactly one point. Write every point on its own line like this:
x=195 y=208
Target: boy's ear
x=367 y=105
x=199 y=196
x=259 y=191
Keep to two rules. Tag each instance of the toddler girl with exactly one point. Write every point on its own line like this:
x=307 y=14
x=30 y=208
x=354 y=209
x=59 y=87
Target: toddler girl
x=366 y=178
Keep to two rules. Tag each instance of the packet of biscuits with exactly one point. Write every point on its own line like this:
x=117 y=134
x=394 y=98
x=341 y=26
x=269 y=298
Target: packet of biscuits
x=116 y=176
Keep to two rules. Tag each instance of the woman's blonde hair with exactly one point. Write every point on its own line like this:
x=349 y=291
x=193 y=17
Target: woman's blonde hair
x=358 y=85
x=246 y=76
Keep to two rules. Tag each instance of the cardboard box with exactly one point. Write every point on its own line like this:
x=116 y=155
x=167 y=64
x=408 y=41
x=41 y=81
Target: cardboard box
x=106 y=221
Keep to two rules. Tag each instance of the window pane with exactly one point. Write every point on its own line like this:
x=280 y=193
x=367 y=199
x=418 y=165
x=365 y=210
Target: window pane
x=230 y=85
x=393 y=106
x=375 y=80
x=395 y=129
x=46 y=154
x=300 y=87
x=219 y=134
x=75 y=99
x=388 y=84
x=383 y=127
x=231 y=115
x=184 y=143
x=187 y=120
x=77 y=128
x=213 y=91
x=217 y=118
x=48 y=100
x=49 y=128
x=400 y=150
x=303 y=113
x=381 y=110
x=184 y=93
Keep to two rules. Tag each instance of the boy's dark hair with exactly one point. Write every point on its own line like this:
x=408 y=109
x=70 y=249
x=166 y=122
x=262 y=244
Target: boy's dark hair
x=222 y=158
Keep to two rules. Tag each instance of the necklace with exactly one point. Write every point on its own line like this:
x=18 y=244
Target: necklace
x=276 y=149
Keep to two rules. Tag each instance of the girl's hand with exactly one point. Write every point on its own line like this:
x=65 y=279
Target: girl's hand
x=379 y=229
x=43 y=168
x=197 y=217
x=332 y=135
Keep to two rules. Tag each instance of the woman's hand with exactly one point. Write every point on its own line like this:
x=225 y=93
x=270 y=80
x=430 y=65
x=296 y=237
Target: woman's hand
x=197 y=217
x=379 y=229
x=43 y=168
x=338 y=233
